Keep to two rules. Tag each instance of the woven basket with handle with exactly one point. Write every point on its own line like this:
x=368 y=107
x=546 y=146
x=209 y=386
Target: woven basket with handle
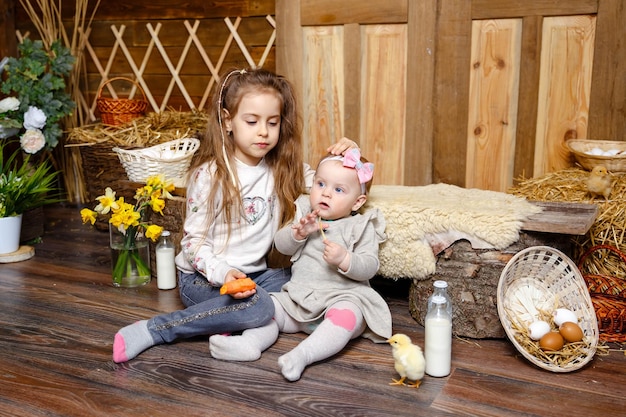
x=608 y=293
x=117 y=111
x=170 y=159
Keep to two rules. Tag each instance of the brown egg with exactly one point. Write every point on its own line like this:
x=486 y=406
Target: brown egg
x=551 y=341
x=571 y=332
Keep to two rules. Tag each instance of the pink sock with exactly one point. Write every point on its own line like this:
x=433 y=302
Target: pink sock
x=119 y=349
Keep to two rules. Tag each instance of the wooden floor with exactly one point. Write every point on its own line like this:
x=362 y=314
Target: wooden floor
x=59 y=312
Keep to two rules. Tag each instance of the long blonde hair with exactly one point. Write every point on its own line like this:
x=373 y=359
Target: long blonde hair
x=218 y=148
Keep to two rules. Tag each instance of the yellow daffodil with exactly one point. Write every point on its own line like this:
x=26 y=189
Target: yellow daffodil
x=162 y=185
x=107 y=201
x=88 y=215
x=157 y=205
x=153 y=232
x=155 y=181
x=168 y=188
x=130 y=221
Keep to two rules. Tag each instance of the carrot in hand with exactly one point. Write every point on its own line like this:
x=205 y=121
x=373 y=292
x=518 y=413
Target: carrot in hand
x=238 y=285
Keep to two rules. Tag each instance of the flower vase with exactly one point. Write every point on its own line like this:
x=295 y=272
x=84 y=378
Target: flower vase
x=10 y=231
x=130 y=257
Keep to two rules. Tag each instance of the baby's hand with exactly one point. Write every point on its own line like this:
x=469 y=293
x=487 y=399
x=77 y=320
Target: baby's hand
x=234 y=274
x=307 y=225
x=336 y=255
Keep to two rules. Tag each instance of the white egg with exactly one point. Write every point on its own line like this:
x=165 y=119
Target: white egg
x=611 y=152
x=595 y=151
x=538 y=329
x=152 y=153
x=168 y=154
x=561 y=315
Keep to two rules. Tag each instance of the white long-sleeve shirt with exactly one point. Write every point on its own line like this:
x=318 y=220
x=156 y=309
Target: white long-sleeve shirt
x=204 y=246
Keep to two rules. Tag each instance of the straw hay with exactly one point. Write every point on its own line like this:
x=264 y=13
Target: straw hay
x=570 y=352
x=153 y=129
x=610 y=226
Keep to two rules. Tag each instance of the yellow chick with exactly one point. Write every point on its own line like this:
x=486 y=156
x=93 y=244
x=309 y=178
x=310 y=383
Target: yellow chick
x=409 y=360
x=599 y=182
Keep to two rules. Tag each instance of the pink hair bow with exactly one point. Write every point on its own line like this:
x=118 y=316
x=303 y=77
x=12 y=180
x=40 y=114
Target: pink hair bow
x=352 y=159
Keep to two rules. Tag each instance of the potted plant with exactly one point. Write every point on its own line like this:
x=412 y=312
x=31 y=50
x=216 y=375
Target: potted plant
x=37 y=99
x=34 y=105
x=23 y=186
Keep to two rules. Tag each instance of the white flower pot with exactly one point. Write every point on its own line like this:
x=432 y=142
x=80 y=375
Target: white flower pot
x=10 y=233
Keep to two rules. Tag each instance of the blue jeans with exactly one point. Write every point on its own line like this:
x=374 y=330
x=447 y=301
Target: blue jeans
x=208 y=312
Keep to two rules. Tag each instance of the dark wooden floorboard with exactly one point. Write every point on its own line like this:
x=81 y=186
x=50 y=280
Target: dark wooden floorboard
x=59 y=312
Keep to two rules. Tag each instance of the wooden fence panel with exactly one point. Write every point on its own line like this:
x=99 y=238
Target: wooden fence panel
x=564 y=89
x=494 y=86
x=383 y=99
x=322 y=101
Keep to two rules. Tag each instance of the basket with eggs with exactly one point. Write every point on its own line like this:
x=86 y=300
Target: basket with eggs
x=590 y=153
x=546 y=311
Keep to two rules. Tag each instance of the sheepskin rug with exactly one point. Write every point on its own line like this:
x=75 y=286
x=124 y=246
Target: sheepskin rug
x=424 y=220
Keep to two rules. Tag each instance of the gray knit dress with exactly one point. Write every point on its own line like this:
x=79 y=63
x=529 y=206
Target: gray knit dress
x=315 y=285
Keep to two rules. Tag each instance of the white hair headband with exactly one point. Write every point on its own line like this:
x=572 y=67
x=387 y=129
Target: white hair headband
x=352 y=159
x=219 y=120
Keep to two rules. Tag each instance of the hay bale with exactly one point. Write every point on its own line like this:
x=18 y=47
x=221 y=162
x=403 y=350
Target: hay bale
x=609 y=228
x=102 y=167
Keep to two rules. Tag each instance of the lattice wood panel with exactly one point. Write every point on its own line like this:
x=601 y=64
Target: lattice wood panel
x=174 y=59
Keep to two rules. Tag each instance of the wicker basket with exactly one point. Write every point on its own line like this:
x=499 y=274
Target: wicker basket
x=118 y=111
x=616 y=163
x=541 y=278
x=102 y=169
x=170 y=159
x=608 y=294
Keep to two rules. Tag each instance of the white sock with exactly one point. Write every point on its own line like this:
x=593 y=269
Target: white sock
x=331 y=336
x=246 y=347
x=131 y=340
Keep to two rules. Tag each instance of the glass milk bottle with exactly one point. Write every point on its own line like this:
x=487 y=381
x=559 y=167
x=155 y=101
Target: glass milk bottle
x=440 y=287
x=438 y=338
x=165 y=266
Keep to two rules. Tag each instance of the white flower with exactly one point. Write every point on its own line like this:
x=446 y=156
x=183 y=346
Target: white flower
x=9 y=104
x=32 y=140
x=34 y=118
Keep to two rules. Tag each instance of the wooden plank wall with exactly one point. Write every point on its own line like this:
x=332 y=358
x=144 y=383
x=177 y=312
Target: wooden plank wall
x=563 y=96
x=457 y=91
x=473 y=93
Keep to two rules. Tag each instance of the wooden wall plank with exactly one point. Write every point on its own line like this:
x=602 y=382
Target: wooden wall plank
x=529 y=93
x=8 y=43
x=383 y=97
x=420 y=70
x=323 y=80
x=451 y=91
x=289 y=43
x=333 y=12
x=352 y=81
x=501 y=9
x=211 y=32
x=494 y=86
x=166 y=9
x=564 y=89
x=607 y=112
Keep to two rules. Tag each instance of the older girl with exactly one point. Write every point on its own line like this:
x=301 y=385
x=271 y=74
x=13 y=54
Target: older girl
x=242 y=186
